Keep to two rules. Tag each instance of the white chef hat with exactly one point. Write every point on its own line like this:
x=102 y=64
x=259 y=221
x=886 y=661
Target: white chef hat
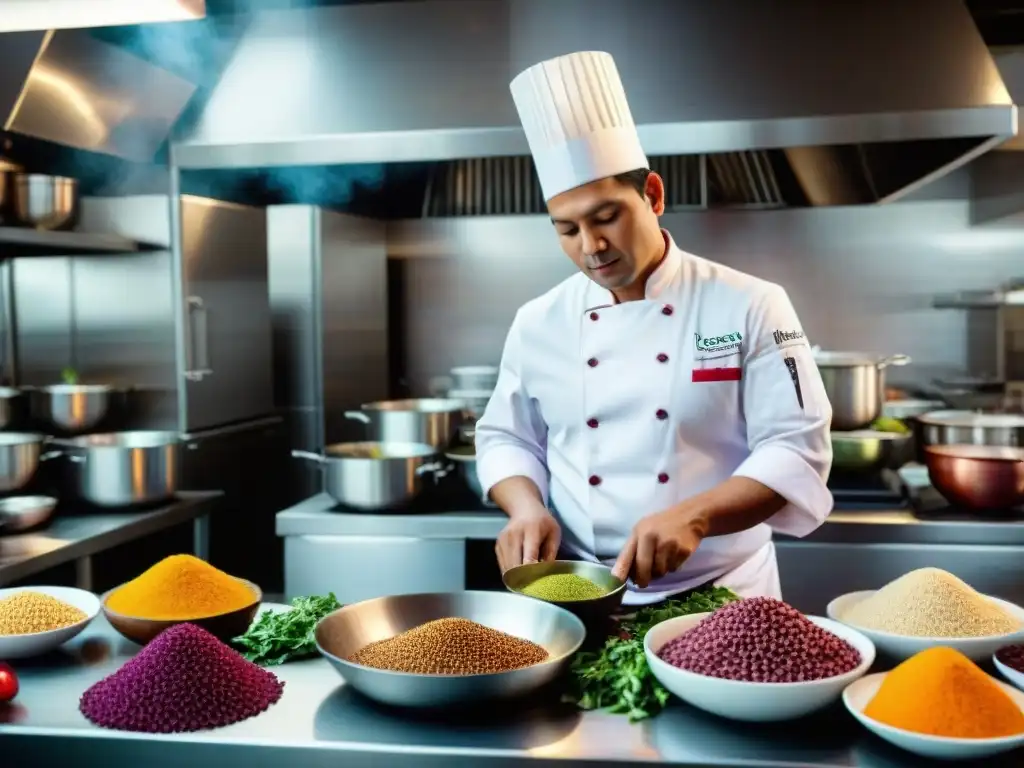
x=574 y=111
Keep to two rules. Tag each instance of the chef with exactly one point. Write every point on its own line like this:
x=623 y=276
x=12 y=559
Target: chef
x=656 y=412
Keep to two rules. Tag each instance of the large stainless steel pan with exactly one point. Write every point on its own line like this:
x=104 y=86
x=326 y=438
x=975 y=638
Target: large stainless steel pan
x=980 y=477
x=45 y=202
x=20 y=454
x=376 y=475
x=349 y=629
x=855 y=385
x=969 y=428
x=430 y=421
x=122 y=469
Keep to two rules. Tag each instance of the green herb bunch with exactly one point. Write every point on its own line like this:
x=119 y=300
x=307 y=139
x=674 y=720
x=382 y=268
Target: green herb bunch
x=279 y=637
x=616 y=678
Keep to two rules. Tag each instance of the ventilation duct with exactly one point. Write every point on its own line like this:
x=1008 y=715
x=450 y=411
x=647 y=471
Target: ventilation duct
x=869 y=100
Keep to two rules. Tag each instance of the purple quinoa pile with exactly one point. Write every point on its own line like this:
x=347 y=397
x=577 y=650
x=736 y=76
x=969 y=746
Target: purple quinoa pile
x=184 y=680
x=761 y=640
x=1012 y=656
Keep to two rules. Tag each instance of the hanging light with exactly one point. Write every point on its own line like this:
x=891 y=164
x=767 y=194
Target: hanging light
x=28 y=15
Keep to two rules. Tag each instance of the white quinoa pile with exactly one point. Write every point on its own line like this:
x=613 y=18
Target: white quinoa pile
x=930 y=602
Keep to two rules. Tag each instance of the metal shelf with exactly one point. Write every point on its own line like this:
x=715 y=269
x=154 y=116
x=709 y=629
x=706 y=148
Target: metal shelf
x=17 y=242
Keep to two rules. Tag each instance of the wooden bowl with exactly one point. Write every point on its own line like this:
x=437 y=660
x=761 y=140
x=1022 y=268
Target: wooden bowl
x=223 y=626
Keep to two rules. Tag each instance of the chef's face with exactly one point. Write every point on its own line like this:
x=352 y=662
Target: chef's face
x=610 y=230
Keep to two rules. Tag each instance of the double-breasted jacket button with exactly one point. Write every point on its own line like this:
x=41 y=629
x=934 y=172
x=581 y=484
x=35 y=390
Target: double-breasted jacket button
x=662 y=357
x=662 y=477
x=661 y=414
x=592 y=362
x=667 y=309
x=592 y=423
x=594 y=480
x=594 y=315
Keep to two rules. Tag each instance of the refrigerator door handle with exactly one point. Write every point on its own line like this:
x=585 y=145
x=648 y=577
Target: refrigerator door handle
x=199 y=340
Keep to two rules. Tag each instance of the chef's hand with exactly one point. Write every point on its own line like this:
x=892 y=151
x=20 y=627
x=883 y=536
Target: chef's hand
x=531 y=536
x=659 y=545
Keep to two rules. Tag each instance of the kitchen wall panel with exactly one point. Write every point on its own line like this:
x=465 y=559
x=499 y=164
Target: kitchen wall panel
x=861 y=278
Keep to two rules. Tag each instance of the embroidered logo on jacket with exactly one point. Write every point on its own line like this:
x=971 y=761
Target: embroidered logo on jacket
x=795 y=376
x=782 y=337
x=717 y=343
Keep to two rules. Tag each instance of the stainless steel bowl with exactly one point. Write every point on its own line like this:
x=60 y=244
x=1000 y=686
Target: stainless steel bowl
x=981 y=477
x=45 y=202
x=868 y=450
x=20 y=454
x=349 y=629
x=969 y=428
x=376 y=476
x=71 y=407
x=122 y=469
x=20 y=513
x=518 y=578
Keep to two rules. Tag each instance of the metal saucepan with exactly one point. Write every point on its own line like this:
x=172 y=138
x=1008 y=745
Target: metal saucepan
x=981 y=477
x=21 y=513
x=71 y=407
x=376 y=475
x=20 y=454
x=464 y=457
x=868 y=450
x=121 y=469
x=45 y=202
x=430 y=421
x=855 y=385
x=970 y=428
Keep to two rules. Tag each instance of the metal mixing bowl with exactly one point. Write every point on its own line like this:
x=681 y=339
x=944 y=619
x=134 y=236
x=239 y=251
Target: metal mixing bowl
x=981 y=477
x=597 y=609
x=347 y=630
x=20 y=513
x=45 y=202
x=868 y=450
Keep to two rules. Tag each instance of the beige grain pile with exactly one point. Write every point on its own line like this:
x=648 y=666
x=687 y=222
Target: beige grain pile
x=930 y=602
x=450 y=647
x=25 y=613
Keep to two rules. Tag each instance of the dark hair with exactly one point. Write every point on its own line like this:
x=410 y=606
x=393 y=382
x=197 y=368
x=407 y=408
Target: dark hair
x=637 y=179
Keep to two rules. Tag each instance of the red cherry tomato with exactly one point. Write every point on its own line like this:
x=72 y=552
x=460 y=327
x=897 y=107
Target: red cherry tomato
x=8 y=683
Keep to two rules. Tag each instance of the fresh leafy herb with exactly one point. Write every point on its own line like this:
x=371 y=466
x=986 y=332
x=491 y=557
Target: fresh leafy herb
x=70 y=376
x=616 y=678
x=279 y=637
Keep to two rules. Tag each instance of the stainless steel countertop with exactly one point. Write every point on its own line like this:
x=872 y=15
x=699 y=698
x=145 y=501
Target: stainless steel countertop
x=70 y=537
x=320 y=722
x=313 y=517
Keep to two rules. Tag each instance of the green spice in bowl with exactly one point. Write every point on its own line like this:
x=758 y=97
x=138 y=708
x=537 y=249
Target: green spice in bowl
x=563 y=587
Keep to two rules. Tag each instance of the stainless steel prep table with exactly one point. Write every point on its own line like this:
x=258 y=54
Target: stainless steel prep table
x=76 y=538
x=320 y=722
x=355 y=554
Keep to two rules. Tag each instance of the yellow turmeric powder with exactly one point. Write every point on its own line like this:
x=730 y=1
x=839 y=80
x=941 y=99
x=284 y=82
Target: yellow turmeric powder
x=180 y=588
x=940 y=692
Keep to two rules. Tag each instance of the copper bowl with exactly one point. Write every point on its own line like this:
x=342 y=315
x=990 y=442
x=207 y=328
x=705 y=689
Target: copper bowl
x=981 y=477
x=223 y=626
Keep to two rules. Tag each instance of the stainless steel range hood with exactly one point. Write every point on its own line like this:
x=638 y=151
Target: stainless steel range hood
x=71 y=89
x=417 y=81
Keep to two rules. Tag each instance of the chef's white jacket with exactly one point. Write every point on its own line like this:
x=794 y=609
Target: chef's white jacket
x=619 y=411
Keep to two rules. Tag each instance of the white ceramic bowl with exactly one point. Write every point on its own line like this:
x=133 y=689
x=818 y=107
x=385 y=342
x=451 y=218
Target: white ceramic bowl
x=38 y=643
x=860 y=692
x=902 y=647
x=1015 y=677
x=754 y=702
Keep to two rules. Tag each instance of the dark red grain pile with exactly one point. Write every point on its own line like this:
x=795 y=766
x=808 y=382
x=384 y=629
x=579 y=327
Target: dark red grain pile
x=1012 y=656
x=761 y=640
x=185 y=679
